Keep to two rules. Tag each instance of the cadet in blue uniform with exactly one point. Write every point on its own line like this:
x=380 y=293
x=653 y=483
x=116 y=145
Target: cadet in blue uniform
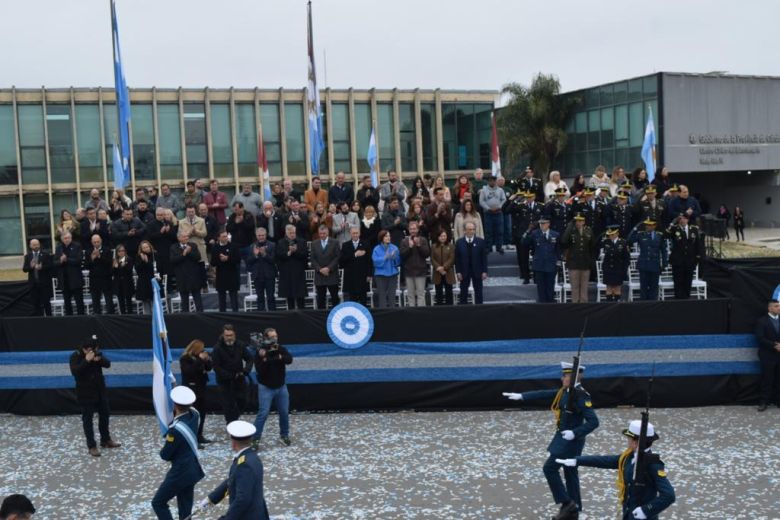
x=656 y=492
x=652 y=258
x=181 y=449
x=614 y=266
x=571 y=428
x=545 y=245
x=244 y=484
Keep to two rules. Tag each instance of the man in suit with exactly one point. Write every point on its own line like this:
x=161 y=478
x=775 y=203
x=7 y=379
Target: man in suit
x=314 y=195
x=687 y=250
x=185 y=260
x=291 y=258
x=68 y=257
x=244 y=485
x=545 y=245
x=128 y=231
x=297 y=218
x=325 y=254
x=471 y=263
x=162 y=234
x=181 y=450
x=272 y=221
x=91 y=226
x=99 y=262
x=195 y=227
x=356 y=262
x=262 y=269
x=768 y=337
x=38 y=265
x=341 y=191
x=226 y=258
x=415 y=252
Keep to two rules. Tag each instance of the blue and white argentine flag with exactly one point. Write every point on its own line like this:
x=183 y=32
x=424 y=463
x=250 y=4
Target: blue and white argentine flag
x=371 y=157
x=316 y=145
x=162 y=377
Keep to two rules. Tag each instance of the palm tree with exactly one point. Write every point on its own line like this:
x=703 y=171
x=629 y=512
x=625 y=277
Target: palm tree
x=532 y=123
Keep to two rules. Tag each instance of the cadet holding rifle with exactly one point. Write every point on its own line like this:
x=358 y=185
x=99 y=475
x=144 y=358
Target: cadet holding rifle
x=574 y=420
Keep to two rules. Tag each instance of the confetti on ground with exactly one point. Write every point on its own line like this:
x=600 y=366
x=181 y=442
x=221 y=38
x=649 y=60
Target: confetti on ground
x=722 y=462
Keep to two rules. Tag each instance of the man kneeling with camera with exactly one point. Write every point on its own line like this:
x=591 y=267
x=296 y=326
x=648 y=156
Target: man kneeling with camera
x=271 y=360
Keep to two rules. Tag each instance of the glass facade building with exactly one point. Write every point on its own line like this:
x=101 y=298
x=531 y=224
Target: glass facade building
x=608 y=126
x=56 y=144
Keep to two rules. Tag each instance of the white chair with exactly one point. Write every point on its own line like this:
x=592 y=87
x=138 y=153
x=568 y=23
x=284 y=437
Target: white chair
x=139 y=305
x=57 y=301
x=666 y=284
x=310 y=301
x=633 y=281
x=601 y=287
x=456 y=291
x=250 y=300
x=87 y=295
x=699 y=286
x=563 y=290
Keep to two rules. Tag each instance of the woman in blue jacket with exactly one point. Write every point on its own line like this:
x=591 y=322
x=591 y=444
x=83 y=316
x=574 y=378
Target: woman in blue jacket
x=387 y=260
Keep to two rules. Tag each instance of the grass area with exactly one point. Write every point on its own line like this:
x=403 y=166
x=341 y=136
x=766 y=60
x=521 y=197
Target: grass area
x=733 y=249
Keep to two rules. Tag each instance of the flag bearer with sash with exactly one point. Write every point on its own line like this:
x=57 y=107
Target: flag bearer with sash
x=181 y=449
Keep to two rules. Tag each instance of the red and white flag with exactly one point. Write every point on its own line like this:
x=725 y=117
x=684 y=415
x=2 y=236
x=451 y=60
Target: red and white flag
x=262 y=166
x=495 y=158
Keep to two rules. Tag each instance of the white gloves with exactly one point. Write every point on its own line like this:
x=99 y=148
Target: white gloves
x=204 y=504
x=568 y=435
x=638 y=513
x=567 y=462
x=513 y=397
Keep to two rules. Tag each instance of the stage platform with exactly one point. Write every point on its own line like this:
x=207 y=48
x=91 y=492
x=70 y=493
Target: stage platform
x=431 y=358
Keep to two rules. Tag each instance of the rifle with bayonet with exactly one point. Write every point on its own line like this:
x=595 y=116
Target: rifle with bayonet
x=575 y=375
x=641 y=457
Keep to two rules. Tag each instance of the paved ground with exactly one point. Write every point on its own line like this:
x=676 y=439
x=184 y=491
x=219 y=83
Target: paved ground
x=487 y=465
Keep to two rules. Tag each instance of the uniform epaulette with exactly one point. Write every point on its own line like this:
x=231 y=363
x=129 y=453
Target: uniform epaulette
x=241 y=459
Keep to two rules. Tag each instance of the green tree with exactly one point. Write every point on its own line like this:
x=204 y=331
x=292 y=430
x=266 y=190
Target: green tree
x=532 y=124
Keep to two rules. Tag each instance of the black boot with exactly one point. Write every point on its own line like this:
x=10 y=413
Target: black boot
x=568 y=511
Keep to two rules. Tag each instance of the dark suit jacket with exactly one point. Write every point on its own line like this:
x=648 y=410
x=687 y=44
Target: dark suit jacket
x=227 y=271
x=328 y=257
x=43 y=279
x=70 y=272
x=292 y=268
x=767 y=337
x=100 y=268
x=277 y=224
x=86 y=233
x=187 y=268
x=356 y=269
x=477 y=254
x=262 y=267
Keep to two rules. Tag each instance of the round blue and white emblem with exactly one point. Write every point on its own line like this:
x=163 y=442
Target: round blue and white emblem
x=350 y=325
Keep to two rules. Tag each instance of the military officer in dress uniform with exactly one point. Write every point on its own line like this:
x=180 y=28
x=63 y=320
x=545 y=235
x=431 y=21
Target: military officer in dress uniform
x=578 y=243
x=525 y=214
x=652 y=257
x=651 y=208
x=614 y=265
x=181 y=450
x=687 y=250
x=557 y=211
x=593 y=210
x=620 y=215
x=571 y=428
x=546 y=247
x=244 y=484
x=656 y=492
x=532 y=184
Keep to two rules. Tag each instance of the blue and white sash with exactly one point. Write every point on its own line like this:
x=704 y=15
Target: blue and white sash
x=187 y=433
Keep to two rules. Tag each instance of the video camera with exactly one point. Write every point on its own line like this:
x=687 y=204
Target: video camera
x=260 y=340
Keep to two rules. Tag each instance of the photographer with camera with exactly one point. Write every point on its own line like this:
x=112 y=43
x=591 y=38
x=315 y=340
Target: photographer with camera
x=86 y=365
x=271 y=360
x=232 y=364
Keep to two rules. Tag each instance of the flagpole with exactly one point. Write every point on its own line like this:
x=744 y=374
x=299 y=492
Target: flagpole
x=260 y=153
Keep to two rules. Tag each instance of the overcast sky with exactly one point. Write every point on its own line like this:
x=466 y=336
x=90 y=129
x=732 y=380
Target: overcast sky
x=448 y=44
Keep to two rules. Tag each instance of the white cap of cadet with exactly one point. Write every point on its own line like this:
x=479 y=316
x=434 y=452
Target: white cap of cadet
x=569 y=367
x=183 y=396
x=635 y=428
x=241 y=429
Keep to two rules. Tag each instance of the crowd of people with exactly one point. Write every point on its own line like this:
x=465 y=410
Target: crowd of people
x=361 y=244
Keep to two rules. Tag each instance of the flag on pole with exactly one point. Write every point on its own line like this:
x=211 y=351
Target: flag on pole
x=316 y=144
x=262 y=165
x=162 y=377
x=119 y=172
x=648 y=147
x=122 y=103
x=495 y=158
x=371 y=158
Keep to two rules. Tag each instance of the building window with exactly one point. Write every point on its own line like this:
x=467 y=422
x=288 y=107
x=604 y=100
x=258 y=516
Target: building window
x=594 y=127
x=31 y=144
x=581 y=129
x=143 y=143
x=607 y=128
x=621 y=126
x=269 y=119
x=386 y=135
x=650 y=86
x=110 y=131
x=430 y=150
x=195 y=140
x=60 y=129
x=9 y=173
x=340 y=127
x=635 y=89
x=293 y=121
x=362 y=135
x=36 y=217
x=636 y=128
x=170 y=141
x=246 y=135
x=592 y=98
x=221 y=142
x=324 y=162
x=620 y=92
x=606 y=95
x=10 y=227
x=483 y=119
x=408 y=136
x=88 y=132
